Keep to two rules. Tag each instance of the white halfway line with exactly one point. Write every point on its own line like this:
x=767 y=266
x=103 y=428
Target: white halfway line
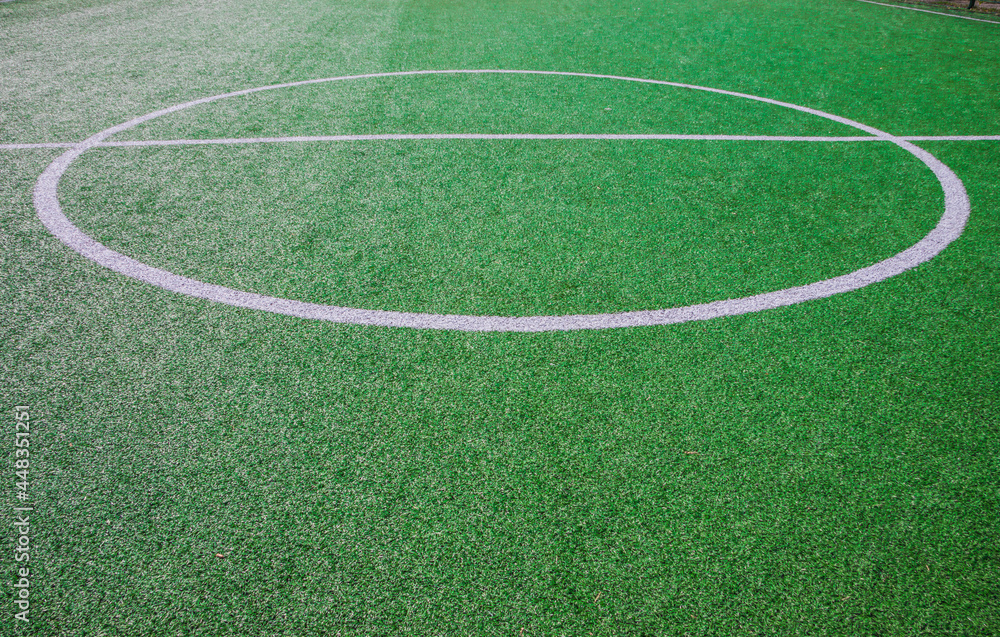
x=947 y=15
x=30 y=146
x=484 y=136
x=514 y=136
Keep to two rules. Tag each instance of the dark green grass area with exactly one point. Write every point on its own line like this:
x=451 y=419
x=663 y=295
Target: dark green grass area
x=507 y=227
x=822 y=469
x=750 y=476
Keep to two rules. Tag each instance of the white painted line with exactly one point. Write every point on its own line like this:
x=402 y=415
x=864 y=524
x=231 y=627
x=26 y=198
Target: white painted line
x=530 y=136
x=30 y=146
x=953 y=138
x=482 y=136
x=515 y=136
x=949 y=227
x=947 y=15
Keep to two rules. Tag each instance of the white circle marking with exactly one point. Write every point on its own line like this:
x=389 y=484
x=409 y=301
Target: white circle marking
x=948 y=228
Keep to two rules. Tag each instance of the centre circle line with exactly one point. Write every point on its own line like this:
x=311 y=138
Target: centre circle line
x=948 y=228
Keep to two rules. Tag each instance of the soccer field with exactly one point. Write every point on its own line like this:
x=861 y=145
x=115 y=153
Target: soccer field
x=499 y=318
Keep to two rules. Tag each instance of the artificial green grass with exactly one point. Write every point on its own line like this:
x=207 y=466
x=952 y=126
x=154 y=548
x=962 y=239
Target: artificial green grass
x=507 y=228
x=481 y=103
x=826 y=468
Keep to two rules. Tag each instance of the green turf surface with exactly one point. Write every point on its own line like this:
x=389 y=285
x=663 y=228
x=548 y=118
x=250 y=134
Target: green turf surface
x=482 y=103
x=822 y=469
x=507 y=228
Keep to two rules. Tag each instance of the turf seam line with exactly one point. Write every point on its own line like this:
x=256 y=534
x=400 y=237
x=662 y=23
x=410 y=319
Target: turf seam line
x=947 y=15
